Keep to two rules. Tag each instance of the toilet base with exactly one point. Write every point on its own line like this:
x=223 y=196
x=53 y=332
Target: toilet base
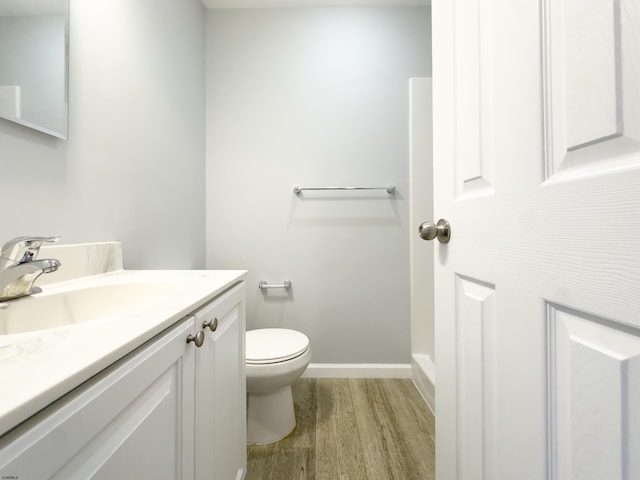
x=270 y=416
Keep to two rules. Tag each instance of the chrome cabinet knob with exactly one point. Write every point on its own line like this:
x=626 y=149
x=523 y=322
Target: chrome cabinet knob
x=198 y=339
x=211 y=324
x=430 y=230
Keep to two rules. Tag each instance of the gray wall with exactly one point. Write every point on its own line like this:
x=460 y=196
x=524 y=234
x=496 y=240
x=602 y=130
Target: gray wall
x=133 y=167
x=316 y=96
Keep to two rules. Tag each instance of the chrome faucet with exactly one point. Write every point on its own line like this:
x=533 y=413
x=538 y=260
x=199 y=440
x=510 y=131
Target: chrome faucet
x=19 y=267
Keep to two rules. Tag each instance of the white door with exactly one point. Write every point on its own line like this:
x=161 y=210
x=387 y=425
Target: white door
x=537 y=298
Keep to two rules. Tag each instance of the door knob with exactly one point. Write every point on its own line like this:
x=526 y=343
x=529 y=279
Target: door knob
x=211 y=324
x=198 y=339
x=441 y=231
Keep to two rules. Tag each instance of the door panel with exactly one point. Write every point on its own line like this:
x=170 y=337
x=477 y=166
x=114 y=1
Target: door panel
x=591 y=62
x=476 y=375
x=595 y=391
x=151 y=416
x=592 y=65
x=473 y=158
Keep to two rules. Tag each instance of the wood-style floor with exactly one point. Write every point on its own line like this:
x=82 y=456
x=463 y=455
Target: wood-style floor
x=351 y=429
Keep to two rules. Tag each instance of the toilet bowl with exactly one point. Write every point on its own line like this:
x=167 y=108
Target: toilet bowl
x=275 y=358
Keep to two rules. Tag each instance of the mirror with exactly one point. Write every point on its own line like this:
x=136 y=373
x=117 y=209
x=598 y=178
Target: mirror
x=34 y=64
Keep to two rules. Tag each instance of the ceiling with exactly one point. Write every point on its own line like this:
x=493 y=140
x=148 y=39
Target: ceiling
x=309 y=3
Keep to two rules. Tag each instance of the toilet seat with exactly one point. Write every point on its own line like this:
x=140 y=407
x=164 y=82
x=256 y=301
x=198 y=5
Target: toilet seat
x=274 y=345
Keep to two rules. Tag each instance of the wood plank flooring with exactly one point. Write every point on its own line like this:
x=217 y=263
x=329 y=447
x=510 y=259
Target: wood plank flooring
x=351 y=429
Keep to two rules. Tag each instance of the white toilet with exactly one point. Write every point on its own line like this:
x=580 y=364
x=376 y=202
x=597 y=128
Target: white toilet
x=275 y=358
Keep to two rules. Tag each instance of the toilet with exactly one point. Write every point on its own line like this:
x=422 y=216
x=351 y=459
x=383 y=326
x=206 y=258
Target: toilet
x=275 y=358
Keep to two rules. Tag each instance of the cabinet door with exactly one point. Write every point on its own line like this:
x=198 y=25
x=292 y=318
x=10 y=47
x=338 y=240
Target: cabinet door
x=135 y=420
x=220 y=391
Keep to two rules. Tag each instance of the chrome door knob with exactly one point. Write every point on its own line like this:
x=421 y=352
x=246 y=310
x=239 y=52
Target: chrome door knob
x=430 y=230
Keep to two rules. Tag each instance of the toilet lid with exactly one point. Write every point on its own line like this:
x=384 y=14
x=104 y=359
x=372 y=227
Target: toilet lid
x=272 y=345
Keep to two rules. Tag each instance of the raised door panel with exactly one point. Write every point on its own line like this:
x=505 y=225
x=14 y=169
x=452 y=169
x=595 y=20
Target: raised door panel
x=592 y=65
x=475 y=312
x=135 y=420
x=473 y=114
x=595 y=392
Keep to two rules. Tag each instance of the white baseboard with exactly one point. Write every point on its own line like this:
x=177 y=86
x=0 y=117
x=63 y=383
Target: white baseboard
x=358 y=370
x=424 y=376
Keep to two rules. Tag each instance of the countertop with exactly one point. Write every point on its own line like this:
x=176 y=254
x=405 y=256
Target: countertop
x=37 y=368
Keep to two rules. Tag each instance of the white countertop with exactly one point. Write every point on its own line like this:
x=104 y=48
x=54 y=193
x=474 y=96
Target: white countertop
x=37 y=368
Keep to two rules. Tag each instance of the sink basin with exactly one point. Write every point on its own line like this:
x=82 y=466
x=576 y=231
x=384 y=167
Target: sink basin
x=51 y=310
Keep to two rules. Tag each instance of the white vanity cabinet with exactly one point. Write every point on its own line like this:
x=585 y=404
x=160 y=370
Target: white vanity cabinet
x=168 y=410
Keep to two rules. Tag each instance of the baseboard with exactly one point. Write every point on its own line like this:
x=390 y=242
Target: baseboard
x=358 y=370
x=424 y=376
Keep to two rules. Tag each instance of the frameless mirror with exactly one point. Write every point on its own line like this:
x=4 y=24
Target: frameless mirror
x=34 y=64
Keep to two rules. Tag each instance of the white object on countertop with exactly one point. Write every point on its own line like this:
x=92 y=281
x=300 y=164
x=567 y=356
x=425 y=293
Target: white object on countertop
x=10 y=101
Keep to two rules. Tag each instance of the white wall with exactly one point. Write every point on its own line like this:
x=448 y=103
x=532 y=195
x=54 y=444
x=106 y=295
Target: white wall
x=316 y=96
x=133 y=167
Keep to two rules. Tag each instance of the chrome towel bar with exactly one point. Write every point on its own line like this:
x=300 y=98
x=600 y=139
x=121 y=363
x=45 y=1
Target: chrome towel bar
x=390 y=189
x=286 y=284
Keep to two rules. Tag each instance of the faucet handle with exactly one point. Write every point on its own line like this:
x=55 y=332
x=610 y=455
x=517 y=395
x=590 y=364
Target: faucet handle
x=22 y=250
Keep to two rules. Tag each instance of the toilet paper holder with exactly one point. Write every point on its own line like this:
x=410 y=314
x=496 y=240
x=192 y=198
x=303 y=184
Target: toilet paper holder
x=263 y=285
